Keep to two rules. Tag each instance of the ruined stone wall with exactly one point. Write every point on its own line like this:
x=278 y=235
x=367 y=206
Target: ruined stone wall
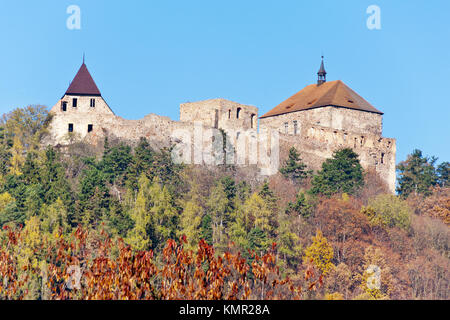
x=220 y=113
x=319 y=133
x=317 y=143
x=330 y=117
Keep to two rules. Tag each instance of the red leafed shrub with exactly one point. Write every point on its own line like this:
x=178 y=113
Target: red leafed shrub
x=98 y=268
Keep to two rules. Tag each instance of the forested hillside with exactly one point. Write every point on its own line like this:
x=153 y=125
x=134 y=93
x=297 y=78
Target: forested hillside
x=125 y=222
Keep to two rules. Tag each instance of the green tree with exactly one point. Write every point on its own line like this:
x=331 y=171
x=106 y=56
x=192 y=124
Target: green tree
x=28 y=124
x=416 y=174
x=443 y=171
x=55 y=217
x=268 y=196
x=217 y=205
x=294 y=168
x=302 y=205
x=93 y=197
x=141 y=163
x=115 y=162
x=289 y=245
x=163 y=214
x=341 y=173
x=5 y=154
x=258 y=240
x=206 y=231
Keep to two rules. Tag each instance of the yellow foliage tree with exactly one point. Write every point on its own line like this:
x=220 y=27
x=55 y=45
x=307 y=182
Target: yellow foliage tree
x=320 y=253
x=17 y=158
x=191 y=218
x=5 y=199
x=376 y=276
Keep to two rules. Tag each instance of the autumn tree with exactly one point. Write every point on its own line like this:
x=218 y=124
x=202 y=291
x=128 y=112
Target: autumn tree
x=191 y=218
x=388 y=211
x=319 y=253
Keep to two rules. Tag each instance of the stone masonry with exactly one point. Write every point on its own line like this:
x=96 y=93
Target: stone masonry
x=317 y=121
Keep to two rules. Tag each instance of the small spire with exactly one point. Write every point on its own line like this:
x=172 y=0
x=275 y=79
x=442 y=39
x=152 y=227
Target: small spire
x=83 y=57
x=322 y=74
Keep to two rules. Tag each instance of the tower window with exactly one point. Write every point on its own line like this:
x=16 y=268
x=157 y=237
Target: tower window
x=64 y=106
x=92 y=103
x=238 y=113
x=70 y=127
x=216 y=119
x=295 y=126
x=74 y=102
x=229 y=114
x=90 y=127
x=382 y=158
x=252 y=121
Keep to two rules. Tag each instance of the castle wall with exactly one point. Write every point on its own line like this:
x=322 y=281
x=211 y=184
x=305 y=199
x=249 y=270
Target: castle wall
x=330 y=117
x=220 y=113
x=317 y=143
x=320 y=132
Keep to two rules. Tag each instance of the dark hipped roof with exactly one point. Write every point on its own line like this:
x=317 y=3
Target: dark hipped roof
x=333 y=93
x=83 y=84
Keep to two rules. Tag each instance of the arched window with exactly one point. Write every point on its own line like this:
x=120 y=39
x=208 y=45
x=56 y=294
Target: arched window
x=229 y=114
x=252 y=123
x=238 y=113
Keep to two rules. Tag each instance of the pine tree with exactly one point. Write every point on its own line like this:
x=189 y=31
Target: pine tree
x=443 y=171
x=416 y=174
x=294 y=168
x=301 y=206
x=341 y=173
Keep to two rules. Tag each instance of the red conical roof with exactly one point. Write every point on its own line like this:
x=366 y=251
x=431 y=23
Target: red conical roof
x=83 y=84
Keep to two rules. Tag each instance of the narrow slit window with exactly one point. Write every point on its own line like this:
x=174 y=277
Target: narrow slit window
x=92 y=103
x=74 y=102
x=252 y=121
x=216 y=119
x=90 y=127
x=238 y=113
x=64 y=106
x=70 y=129
x=229 y=114
x=382 y=158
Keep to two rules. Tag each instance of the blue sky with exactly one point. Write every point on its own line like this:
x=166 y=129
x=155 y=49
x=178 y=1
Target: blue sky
x=150 y=56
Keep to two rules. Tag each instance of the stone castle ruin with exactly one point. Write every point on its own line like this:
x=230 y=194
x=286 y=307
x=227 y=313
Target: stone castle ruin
x=318 y=120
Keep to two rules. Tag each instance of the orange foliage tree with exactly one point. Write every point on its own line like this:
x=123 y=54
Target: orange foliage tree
x=95 y=267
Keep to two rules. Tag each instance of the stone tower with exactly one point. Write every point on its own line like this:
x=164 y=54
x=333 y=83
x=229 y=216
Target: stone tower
x=79 y=111
x=326 y=116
